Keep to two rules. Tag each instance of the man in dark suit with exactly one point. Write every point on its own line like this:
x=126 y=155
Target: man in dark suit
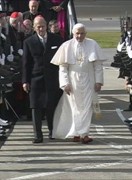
x=33 y=10
x=58 y=10
x=16 y=37
x=40 y=77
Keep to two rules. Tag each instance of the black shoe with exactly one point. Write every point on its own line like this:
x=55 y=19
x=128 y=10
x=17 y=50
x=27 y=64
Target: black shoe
x=129 y=109
x=37 y=140
x=2 y=137
x=128 y=121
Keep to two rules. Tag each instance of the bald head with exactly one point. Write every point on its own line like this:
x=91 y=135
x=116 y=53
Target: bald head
x=27 y=25
x=40 y=25
x=33 y=6
x=38 y=19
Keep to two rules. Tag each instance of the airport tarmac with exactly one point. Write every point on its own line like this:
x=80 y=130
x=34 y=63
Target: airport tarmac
x=99 y=15
x=103 y=8
x=108 y=157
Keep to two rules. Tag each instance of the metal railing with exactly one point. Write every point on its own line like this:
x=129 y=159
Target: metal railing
x=72 y=18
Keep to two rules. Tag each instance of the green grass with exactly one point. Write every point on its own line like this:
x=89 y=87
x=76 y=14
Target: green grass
x=107 y=39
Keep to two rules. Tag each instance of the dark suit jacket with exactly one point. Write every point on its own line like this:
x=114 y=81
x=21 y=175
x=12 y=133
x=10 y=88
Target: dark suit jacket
x=28 y=15
x=37 y=69
x=16 y=39
x=46 y=5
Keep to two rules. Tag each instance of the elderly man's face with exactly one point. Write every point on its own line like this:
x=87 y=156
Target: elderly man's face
x=40 y=26
x=79 y=34
x=33 y=6
x=15 y=23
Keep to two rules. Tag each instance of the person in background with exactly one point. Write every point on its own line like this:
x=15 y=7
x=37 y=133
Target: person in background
x=16 y=38
x=40 y=77
x=54 y=28
x=15 y=35
x=4 y=44
x=58 y=11
x=33 y=10
x=27 y=28
x=44 y=6
x=4 y=50
x=81 y=77
x=129 y=90
x=28 y=31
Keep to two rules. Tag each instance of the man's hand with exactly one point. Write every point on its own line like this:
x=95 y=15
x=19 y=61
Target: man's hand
x=26 y=87
x=97 y=87
x=10 y=57
x=57 y=8
x=20 y=52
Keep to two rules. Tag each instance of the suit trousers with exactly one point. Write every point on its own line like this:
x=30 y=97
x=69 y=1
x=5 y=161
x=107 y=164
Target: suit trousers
x=37 y=117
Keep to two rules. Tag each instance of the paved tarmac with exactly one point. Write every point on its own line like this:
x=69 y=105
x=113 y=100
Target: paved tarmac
x=108 y=157
x=102 y=14
x=103 y=8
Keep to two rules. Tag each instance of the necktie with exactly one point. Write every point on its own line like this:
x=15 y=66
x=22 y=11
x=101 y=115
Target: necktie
x=43 y=41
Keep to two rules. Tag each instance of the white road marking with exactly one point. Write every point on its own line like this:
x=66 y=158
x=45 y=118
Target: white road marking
x=104 y=165
x=109 y=110
x=125 y=149
x=32 y=176
x=100 y=130
x=120 y=115
x=111 y=68
x=82 y=152
x=113 y=95
x=31 y=159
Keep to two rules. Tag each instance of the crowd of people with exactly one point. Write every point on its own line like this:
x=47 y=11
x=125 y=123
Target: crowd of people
x=60 y=77
x=17 y=25
x=123 y=56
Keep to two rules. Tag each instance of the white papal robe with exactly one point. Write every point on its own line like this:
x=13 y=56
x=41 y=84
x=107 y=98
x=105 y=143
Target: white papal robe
x=74 y=112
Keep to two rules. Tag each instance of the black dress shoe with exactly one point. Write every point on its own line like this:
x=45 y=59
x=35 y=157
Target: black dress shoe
x=128 y=121
x=2 y=137
x=129 y=109
x=37 y=140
